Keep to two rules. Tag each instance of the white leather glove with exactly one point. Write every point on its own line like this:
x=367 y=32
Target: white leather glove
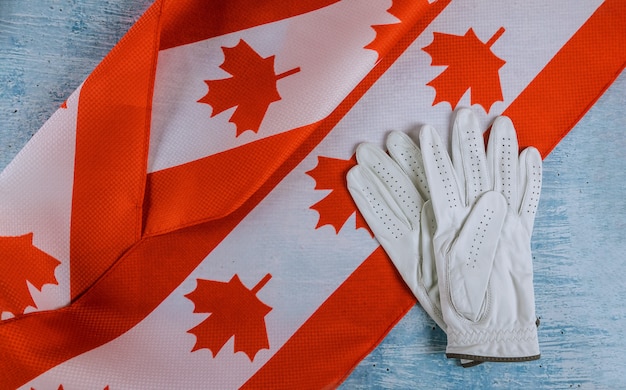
x=401 y=218
x=484 y=206
x=393 y=204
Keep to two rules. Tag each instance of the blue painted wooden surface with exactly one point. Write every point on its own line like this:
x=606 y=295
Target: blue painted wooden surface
x=48 y=47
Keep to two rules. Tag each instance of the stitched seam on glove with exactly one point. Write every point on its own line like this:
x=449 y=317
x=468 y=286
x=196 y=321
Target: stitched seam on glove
x=481 y=337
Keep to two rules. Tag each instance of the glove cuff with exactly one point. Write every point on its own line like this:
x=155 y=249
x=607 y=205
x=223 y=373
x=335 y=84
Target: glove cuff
x=504 y=345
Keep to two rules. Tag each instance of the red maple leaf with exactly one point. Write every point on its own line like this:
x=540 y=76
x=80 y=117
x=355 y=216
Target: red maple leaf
x=235 y=311
x=338 y=205
x=407 y=11
x=252 y=87
x=470 y=65
x=22 y=262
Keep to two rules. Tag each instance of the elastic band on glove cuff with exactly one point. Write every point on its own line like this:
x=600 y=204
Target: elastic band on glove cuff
x=479 y=359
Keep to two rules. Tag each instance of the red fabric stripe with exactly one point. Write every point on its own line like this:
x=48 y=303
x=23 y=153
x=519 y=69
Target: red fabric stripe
x=188 y=21
x=187 y=194
x=356 y=318
x=573 y=80
x=112 y=136
x=170 y=209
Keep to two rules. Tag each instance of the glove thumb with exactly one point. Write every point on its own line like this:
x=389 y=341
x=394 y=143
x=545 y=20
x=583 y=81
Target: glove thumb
x=473 y=255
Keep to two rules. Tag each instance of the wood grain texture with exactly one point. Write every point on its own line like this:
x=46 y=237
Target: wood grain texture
x=48 y=47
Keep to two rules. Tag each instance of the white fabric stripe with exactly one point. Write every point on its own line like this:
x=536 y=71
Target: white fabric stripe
x=332 y=60
x=530 y=41
x=36 y=196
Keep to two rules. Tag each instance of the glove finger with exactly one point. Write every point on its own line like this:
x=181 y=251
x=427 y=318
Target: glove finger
x=502 y=154
x=401 y=196
x=442 y=181
x=409 y=157
x=387 y=221
x=530 y=166
x=473 y=255
x=468 y=155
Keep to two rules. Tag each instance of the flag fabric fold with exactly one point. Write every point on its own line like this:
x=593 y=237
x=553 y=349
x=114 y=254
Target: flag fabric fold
x=203 y=161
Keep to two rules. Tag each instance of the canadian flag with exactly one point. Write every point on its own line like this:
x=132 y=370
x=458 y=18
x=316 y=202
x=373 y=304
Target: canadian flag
x=182 y=220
